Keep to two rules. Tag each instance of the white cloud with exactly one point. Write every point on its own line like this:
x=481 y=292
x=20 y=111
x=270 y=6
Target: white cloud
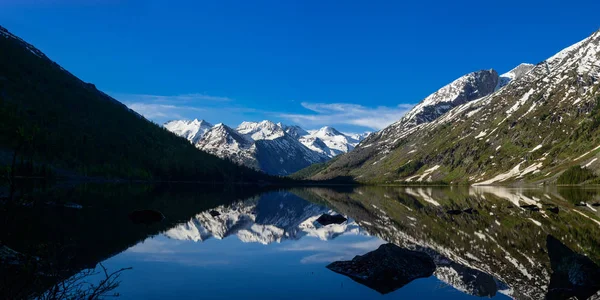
x=183 y=98
x=155 y=111
x=161 y=108
x=349 y=114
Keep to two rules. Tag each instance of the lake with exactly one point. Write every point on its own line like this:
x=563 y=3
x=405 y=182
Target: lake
x=324 y=243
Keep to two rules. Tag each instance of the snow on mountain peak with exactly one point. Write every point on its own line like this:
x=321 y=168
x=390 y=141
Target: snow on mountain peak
x=328 y=131
x=330 y=141
x=264 y=130
x=260 y=144
x=464 y=89
x=514 y=74
x=193 y=130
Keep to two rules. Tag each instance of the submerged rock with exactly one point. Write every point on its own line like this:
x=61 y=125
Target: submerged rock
x=573 y=275
x=326 y=219
x=146 y=216
x=386 y=269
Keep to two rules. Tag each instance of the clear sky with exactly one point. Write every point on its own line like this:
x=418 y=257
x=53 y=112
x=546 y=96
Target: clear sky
x=355 y=65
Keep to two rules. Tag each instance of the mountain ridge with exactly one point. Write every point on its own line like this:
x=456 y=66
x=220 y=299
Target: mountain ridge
x=529 y=130
x=274 y=148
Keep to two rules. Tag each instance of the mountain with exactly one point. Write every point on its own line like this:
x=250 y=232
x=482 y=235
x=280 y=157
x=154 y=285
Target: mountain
x=270 y=147
x=331 y=142
x=224 y=141
x=531 y=129
x=193 y=131
x=53 y=122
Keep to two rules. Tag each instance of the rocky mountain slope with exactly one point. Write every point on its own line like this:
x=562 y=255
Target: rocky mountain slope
x=273 y=148
x=538 y=121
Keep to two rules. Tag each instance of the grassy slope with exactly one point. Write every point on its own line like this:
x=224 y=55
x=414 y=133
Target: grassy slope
x=562 y=114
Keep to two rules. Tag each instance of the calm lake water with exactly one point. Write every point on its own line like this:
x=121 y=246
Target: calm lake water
x=418 y=242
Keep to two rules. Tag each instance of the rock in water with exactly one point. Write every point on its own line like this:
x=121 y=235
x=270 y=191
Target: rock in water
x=573 y=275
x=386 y=269
x=146 y=216
x=326 y=219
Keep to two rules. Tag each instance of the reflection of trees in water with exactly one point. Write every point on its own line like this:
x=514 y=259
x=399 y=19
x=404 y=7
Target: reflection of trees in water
x=80 y=287
x=51 y=274
x=53 y=241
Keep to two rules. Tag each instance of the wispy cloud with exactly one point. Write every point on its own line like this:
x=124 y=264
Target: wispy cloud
x=183 y=98
x=167 y=107
x=348 y=114
x=155 y=111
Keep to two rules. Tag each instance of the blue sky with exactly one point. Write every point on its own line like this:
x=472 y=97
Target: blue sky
x=356 y=65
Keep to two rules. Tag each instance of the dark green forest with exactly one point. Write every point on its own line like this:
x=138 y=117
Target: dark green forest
x=576 y=175
x=54 y=123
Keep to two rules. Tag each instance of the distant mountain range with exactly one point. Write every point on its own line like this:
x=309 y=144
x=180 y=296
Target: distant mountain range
x=528 y=125
x=267 y=146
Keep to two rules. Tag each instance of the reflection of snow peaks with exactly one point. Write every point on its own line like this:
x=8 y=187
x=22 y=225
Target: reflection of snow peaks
x=312 y=228
x=250 y=224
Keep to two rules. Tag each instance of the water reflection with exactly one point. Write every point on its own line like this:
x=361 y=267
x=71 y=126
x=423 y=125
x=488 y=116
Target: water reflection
x=271 y=217
x=451 y=242
x=504 y=240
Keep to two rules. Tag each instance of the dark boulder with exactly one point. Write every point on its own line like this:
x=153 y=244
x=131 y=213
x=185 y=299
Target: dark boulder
x=214 y=213
x=553 y=209
x=326 y=219
x=146 y=216
x=573 y=275
x=386 y=269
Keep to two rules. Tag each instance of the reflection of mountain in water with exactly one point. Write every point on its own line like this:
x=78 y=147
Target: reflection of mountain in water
x=272 y=217
x=502 y=248
x=573 y=275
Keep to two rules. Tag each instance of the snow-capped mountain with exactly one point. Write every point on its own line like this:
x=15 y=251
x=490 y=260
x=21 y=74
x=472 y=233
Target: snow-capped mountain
x=273 y=148
x=513 y=74
x=193 y=130
x=225 y=142
x=263 y=220
x=264 y=130
x=331 y=142
x=466 y=88
x=294 y=130
x=541 y=121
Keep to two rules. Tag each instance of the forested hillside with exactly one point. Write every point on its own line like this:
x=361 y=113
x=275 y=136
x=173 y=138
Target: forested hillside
x=52 y=122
